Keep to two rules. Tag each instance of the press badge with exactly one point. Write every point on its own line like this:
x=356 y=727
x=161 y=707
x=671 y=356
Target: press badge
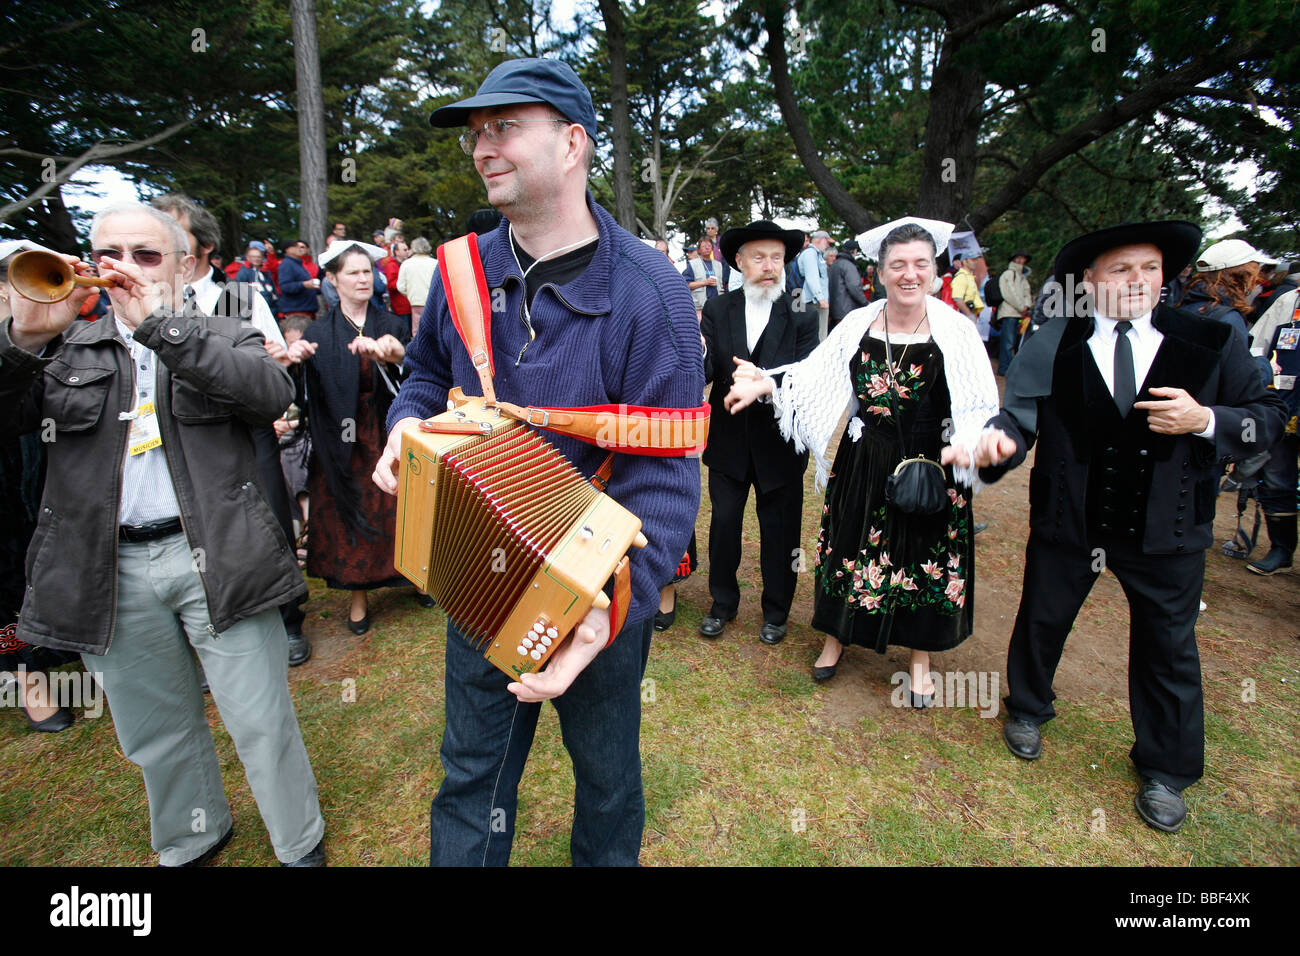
x=145 y=433
x=1288 y=339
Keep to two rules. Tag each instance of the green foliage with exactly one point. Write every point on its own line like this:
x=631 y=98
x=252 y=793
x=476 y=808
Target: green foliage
x=862 y=73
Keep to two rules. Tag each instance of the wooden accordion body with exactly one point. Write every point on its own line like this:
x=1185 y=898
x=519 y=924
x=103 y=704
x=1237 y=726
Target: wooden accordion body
x=497 y=525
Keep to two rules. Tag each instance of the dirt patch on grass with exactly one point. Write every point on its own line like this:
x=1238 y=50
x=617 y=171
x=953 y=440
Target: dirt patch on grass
x=1247 y=616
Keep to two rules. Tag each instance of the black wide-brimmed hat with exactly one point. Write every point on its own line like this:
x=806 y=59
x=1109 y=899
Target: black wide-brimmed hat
x=1176 y=239
x=733 y=239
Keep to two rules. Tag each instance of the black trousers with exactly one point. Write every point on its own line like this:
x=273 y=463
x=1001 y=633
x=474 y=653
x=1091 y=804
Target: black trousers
x=1164 y=675
x=779 y=513
x=271 y=477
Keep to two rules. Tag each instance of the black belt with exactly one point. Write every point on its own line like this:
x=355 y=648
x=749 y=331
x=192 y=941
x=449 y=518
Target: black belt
x=148 y=532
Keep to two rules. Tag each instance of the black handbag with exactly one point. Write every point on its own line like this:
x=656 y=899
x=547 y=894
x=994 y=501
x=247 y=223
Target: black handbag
x=917 y=485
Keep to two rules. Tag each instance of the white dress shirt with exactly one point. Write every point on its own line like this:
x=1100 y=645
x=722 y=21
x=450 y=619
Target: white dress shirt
x=1145 y=340
x=147 y=491
x=208 y=293
x=756 y=316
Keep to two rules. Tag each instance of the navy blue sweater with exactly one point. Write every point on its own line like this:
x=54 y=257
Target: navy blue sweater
x=622 y=332
x=294 y=296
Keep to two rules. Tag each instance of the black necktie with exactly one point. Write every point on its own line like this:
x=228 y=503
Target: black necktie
x=1125 y=386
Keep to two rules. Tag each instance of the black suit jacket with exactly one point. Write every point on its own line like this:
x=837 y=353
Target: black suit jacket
x=752 y=436
x=1201 y=356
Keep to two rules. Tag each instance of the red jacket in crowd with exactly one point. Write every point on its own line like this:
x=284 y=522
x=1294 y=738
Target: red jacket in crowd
x=399 y=303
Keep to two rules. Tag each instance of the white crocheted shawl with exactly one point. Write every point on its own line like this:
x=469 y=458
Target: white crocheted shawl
x=812 y=395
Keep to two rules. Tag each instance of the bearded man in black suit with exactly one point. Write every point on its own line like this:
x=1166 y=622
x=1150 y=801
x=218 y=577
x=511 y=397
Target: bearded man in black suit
x=756 y=323
x=1133 y=405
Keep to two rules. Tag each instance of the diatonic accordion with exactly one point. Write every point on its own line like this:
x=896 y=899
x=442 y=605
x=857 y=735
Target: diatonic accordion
x=497 y=525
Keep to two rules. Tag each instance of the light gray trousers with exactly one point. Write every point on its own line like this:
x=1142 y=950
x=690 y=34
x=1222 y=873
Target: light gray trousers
x=149 y=678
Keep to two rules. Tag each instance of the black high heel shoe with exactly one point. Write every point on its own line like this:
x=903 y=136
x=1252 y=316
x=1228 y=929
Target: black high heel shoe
x=361 y=626
x=918 y=701
x=663 y=621
x=60 y=720
x=821 y=674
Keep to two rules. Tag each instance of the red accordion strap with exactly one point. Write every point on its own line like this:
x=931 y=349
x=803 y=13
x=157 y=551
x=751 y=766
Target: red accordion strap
x=632 y=429
x=621 y=599
x=466 y=289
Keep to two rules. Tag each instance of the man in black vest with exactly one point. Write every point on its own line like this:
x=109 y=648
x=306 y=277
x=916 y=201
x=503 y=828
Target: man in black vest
x=1133 y=404
x=755 y=323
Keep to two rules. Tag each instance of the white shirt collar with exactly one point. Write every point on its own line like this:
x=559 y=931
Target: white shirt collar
x=1140 y=325
x=200 y=284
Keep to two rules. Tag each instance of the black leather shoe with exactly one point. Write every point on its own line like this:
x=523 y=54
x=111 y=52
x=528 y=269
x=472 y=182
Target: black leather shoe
x=821 y=674
x=210 y=854
x=1160 y=806
x=425 y=600
x=359 y=627
x=315 y=858
x=61 y=719
x=664 y=621
x=712 y=625
x=981 y=526
x=1023 y=738
x=299 y=649
x=772 y=633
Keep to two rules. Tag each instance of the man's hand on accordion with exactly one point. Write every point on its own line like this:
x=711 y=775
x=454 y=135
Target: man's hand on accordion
x=570 y=659
x=385 y=473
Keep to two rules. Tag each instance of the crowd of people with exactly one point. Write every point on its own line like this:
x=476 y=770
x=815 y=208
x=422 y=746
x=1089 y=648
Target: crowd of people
x=253 y=417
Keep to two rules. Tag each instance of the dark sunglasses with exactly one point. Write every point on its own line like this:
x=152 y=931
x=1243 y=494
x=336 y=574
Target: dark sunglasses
x=141 y=257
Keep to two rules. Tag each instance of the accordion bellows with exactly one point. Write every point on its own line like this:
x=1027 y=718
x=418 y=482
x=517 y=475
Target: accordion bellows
x=503 y=531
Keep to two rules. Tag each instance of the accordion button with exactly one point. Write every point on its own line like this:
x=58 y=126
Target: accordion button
x=521 y=650
x=536 y=655
x=538 y=628
x=546 y=641
x=528 y=642
x=552 y=633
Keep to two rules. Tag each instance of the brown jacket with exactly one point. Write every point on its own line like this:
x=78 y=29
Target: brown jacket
x=214 y=379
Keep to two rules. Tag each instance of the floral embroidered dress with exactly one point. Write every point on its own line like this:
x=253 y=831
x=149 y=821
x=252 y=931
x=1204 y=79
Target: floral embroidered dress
x=883 y=577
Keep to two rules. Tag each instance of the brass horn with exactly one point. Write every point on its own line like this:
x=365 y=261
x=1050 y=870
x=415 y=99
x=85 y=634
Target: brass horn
x=45 y=277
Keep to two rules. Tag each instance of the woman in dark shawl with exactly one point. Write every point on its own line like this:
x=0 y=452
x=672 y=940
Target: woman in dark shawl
x=351 y=370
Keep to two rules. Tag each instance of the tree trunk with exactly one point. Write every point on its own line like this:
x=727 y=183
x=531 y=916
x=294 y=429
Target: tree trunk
x=616 y=37
x=846 y=207
x=951 y=136
x=311 y=126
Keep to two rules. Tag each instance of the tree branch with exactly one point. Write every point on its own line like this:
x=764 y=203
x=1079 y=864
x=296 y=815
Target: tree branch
x=1249 y=98
x=1142 y=102
x=846 y=207
x=1056 y=198
x=97 y=153
x=998 y=14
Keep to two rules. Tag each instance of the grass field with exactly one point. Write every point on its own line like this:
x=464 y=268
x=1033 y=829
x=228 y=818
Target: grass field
x=746 y=760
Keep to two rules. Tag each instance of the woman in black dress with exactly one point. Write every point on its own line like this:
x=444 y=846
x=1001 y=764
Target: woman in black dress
x=907 y=363
x=351 y=369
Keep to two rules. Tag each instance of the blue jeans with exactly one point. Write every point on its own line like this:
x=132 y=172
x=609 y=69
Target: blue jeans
x=1009 y=328
x=486 y=743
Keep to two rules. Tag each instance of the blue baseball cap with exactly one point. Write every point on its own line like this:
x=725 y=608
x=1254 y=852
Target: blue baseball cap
x=532 y=80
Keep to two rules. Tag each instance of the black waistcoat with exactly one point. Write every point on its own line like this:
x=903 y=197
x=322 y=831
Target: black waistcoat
x=1119 y=479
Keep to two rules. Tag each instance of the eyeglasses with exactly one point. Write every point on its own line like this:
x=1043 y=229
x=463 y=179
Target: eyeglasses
x=141 y=257
x=495 y=132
